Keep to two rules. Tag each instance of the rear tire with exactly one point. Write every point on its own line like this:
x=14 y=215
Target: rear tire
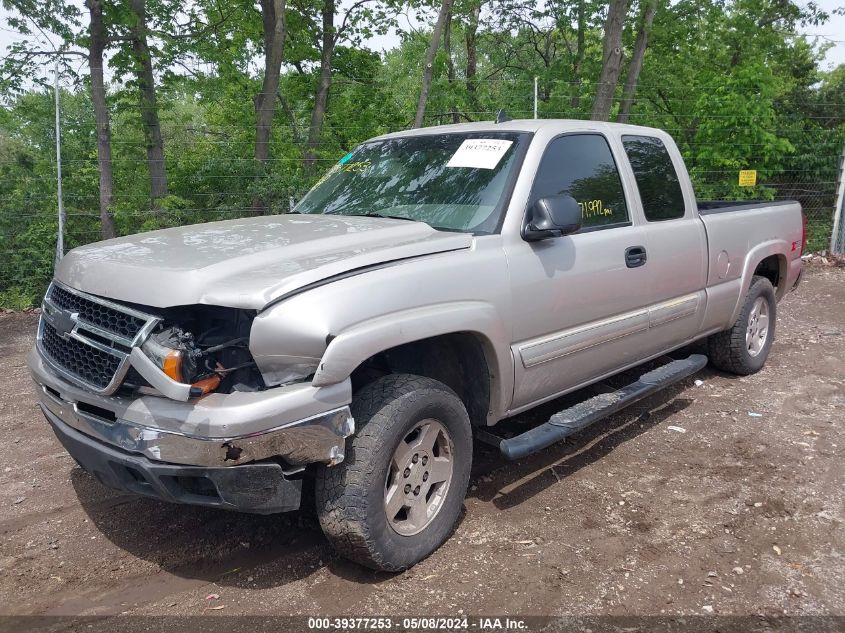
x=398 y=494
x=744 y=348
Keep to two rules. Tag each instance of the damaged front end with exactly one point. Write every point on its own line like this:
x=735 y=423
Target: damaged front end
x=166 y=402
x=182 y=352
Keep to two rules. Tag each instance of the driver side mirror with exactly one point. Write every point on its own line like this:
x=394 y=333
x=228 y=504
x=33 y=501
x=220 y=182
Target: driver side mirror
x=553 y=216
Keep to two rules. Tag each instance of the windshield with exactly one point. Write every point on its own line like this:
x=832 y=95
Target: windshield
x=453 y=182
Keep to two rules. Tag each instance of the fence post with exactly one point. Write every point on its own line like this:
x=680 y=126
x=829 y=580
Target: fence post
x=837 y=237
x=60 y=239
x=535 y=96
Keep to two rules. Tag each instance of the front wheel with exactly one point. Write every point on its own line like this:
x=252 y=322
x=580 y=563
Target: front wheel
x=745 y=347
x=398 y=494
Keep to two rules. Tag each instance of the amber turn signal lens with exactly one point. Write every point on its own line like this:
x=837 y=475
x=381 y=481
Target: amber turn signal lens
x=172 y=365
x=207 y=385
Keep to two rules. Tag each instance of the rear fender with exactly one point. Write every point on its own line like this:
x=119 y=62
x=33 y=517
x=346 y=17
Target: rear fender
x=781 y=248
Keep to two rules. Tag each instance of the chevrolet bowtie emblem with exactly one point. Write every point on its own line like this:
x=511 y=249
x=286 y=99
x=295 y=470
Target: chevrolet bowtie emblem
x=64 y=321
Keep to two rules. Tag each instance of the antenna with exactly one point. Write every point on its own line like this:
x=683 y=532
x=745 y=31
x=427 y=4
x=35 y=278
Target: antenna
x=502 y=116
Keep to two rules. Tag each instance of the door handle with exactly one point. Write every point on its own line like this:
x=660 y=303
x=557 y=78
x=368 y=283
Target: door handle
x=635 y=256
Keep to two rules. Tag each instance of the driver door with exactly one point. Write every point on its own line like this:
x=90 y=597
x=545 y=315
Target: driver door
x=580 y=300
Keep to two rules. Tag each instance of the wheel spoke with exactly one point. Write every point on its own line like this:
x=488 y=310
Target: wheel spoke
x=418 y=513
x=428 y=436
x=763 y=324
x=402 y=455
x=441 y=469
x=394 y=501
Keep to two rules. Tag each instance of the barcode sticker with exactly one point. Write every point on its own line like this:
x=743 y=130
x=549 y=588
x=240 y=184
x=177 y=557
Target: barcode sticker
x=479 y=153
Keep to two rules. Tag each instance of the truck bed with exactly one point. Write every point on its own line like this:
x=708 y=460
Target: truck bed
x=737 y=240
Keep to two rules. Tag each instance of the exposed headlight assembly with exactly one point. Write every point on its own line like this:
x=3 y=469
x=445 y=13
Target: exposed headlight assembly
x=173 y=351
x=204 y=347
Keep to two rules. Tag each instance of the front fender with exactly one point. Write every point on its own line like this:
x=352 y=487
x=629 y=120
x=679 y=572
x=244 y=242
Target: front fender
x=350 y=348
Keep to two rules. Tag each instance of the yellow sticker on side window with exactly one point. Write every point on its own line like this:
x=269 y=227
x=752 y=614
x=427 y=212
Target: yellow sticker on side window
x=747 y=177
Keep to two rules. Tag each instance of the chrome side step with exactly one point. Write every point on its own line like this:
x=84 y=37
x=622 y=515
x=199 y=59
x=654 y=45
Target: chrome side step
x=575 y=418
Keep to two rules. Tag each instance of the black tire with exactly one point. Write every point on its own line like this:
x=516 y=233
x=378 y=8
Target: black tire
x=351 y=496
x=728 y=350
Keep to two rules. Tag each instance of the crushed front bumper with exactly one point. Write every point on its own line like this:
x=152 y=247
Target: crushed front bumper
x=224 y=441
x=259 y=488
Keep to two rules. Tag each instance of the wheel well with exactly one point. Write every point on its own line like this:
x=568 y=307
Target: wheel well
x=457 y=360
x=770 y=268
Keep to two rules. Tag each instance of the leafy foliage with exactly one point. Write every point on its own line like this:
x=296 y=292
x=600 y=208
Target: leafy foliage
x=729 y=79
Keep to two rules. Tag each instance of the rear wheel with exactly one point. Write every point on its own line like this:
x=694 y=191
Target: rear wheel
x=745 y=347
x=398 y=494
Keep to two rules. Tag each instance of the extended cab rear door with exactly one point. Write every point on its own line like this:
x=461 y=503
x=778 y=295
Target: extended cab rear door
x=675 y=238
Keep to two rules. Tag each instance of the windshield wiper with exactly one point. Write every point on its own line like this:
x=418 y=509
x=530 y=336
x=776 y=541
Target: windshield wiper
x=382 y=215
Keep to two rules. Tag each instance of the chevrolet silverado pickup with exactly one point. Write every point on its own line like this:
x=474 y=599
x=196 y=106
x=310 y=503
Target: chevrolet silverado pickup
x=434 y=283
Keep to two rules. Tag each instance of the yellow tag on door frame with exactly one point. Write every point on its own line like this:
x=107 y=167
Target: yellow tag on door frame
x=747 y=177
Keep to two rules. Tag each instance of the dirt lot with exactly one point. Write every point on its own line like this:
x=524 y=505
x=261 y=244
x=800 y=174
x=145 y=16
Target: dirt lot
x=742 y=512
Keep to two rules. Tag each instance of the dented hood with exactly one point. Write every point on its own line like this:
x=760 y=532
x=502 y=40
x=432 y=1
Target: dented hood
x=244 y=263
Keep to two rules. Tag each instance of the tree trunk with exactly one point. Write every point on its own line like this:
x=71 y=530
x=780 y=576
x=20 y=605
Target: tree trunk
x=428 y=71
x=273 y=19
x=611 y=60
x=472 y=55
x=578 y=64
x=323 y=84
x=96 y=45
x=450 y=64
x=147 y=96
x=636 y=64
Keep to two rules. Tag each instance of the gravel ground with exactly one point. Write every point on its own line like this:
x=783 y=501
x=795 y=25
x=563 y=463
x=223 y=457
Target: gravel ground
x=738 y=512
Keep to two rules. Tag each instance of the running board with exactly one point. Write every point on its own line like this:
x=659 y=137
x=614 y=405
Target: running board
x=571 y=420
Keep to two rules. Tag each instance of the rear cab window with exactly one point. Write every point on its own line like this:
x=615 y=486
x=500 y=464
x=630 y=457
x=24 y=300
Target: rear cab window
x=656 y=178
x=582 y=166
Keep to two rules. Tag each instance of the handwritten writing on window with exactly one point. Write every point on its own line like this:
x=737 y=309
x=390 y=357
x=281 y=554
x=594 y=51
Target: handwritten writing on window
x=356 y=167
x=594 y=209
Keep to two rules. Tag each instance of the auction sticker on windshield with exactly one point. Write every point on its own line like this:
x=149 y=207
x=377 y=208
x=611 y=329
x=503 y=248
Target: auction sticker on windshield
x=480 y=153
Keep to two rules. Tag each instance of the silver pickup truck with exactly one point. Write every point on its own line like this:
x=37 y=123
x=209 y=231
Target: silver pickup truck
x=432 y=284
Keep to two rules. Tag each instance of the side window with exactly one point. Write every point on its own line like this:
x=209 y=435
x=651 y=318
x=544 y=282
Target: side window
x=657 y=181
x=582 y=166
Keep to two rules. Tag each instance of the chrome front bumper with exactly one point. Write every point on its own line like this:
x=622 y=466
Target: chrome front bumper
x=261 y=488
x=300 y=423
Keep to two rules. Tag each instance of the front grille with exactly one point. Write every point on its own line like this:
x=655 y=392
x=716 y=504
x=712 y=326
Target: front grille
x=95 y=313
x=92 y=366
x=87 y=340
